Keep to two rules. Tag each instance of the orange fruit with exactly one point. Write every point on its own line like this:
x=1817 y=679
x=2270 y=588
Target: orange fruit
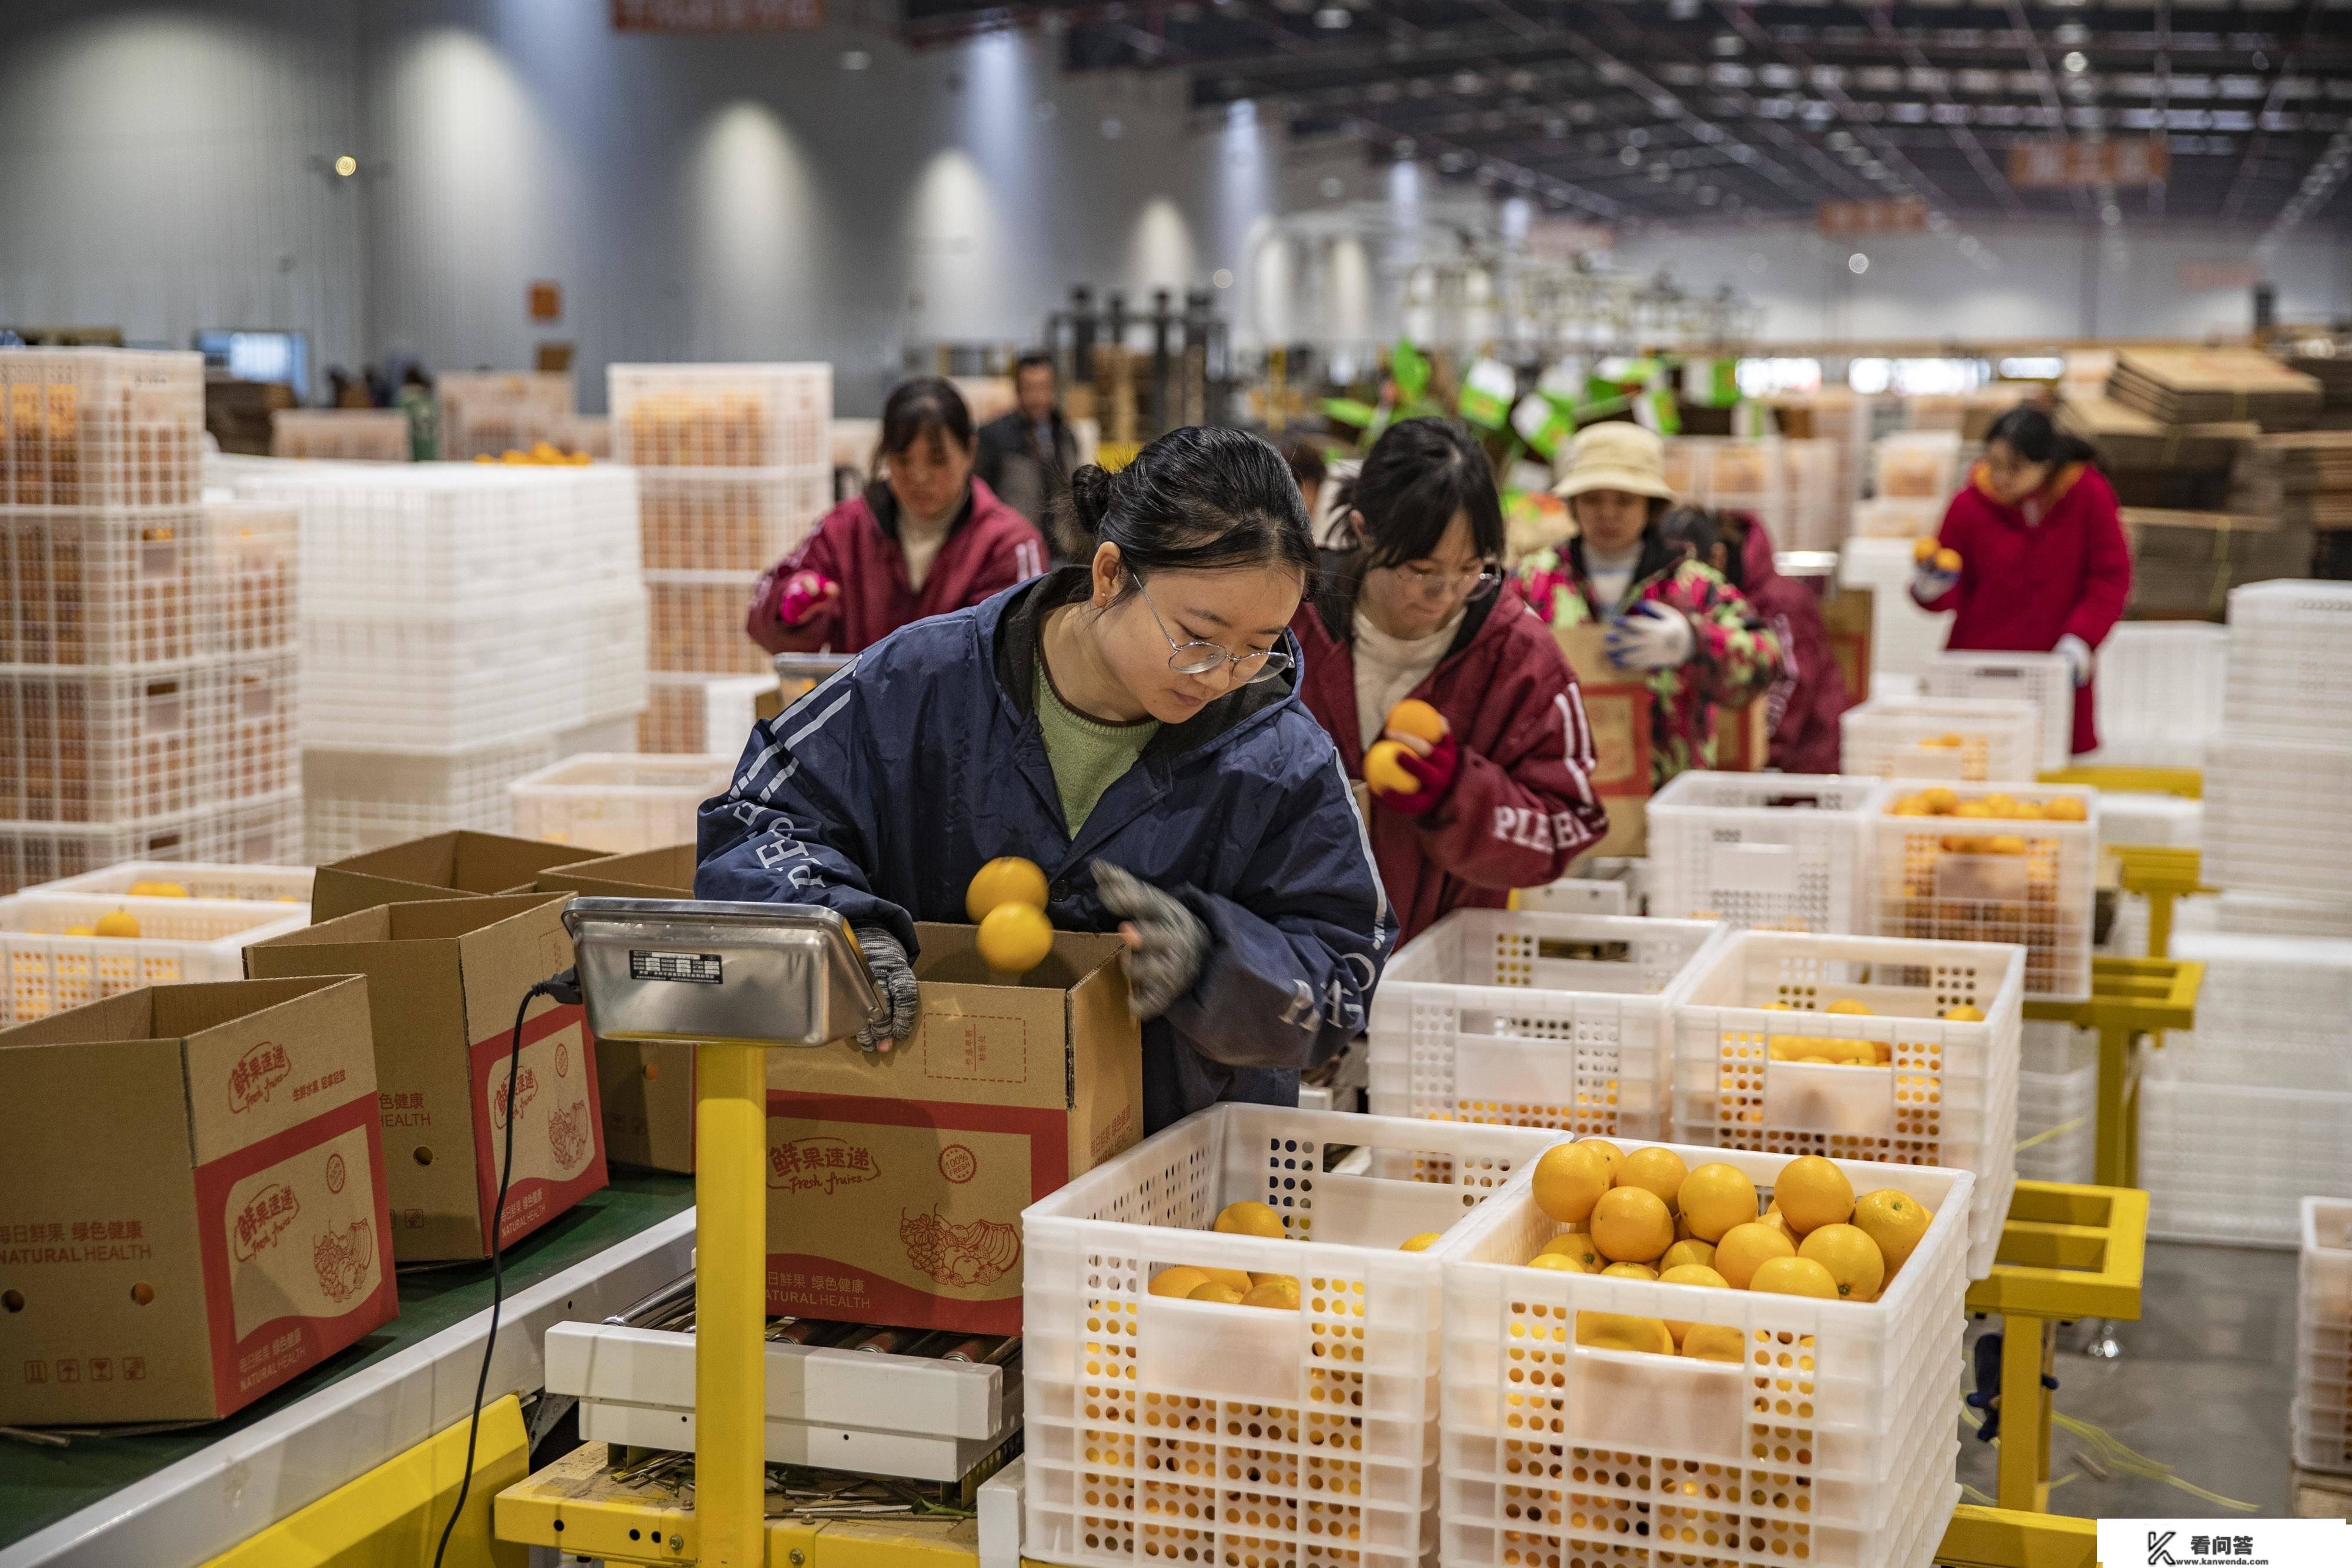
x=1745 y=1248
x=1607 y=1151
x=1924 y=549
x=1180 y=1280
x=1616 y=1331
x=1896 y=1221
x=1557 y=1262
x=1852 y=1258
x=1630 y=1271
x=1569 y=1179
x=1279 y=1293
x=1687 y=1254
x=1249 y=1217
x=1630 y=1225
x=1847 y=1007
x=1577 y=1248
x=1385 y=773
x=1714 y=1342
x=1008 y=879
x=1947 y=561
x=2063 y=809
x=1014 y=938
x=1794 y=1277
x=1416 y=719
x=1690 y=1274
x=1939 y=801
x=1964 y=1013
x=1218 y=1292
x=1655 y=1170
x=1715 y=1197
x=1421 y=1243
x=120 y=923
x=1812 y=1192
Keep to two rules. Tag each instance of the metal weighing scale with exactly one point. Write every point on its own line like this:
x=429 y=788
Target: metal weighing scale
x=736 y=981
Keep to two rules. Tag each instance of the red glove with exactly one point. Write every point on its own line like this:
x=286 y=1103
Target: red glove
x=1435 y=772
x=806 y=594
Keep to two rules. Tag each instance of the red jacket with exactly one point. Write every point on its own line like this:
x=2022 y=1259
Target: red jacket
x=2031 y=573
x=1521 y=805
x=989 y=547
x=1803 y=705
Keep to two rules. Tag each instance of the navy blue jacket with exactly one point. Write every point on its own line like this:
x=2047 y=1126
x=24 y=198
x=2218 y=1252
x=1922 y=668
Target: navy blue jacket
x=880 y=793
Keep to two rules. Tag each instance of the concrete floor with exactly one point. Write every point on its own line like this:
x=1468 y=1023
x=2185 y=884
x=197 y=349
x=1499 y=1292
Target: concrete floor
x=2202 y=1386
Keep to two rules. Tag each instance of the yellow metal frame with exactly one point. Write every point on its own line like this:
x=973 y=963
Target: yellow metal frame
x=391 y=1517
x=2129 y=997
x=2188 y=783
x=2163 y=874
x=2006 y=1538
x=2066 y=1253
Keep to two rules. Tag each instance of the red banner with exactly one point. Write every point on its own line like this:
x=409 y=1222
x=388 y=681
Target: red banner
x=2142 y=160
x=716 y=16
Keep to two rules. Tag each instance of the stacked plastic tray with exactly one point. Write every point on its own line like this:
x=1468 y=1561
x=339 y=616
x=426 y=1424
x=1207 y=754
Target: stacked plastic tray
x=1777 y=852
x=456 y=620
x=1534 y=1021
x=1750 y=1073
x=2261 y=1088
x=735 y=469
x=2159 y=693
x=146 y=685
x=2041 y=679
x=2321 y=1418
x=2058 y=1104
x=1833 y=1446
x=2002 y=877
x=61 y=949
x=346 y=435
x=701 y=714
x=2278 y=815
x=487 y=413
x=1163 y=1430
x=621 y=803
x=1948 y=739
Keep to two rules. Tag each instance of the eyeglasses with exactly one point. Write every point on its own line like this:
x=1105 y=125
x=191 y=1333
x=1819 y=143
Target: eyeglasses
x=1431 y=584
x=1200 y=658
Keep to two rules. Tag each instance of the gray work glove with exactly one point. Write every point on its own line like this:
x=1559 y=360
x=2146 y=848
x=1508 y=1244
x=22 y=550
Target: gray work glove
x=894 y=977
x=1166 y=942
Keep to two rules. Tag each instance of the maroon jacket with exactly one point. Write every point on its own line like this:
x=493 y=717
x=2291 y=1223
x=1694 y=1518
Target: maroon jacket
x=2031 y=573
x=989 y=547
x=1802 y=708
x=1522 y=804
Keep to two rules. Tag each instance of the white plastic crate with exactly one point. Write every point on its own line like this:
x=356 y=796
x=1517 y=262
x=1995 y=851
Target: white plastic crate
x=1995 y=879
x=100 y=427
x=1834 y=1445
x=462 y=679
x=728 y=520
x=1904 y=518
x=224 y=883
x=1948 y=739
x=2058 y=1088
x=346 y=435
x=487 y=414
x=110 y=743
x=2041 y=679
x=1783 y=851
x=2290 y=642
x=2283 y=914
x=1573 y=896
x=2278 y=815
x=32 y=853
x=1817 y=507
x=1903 y=638
x=1917 y=464
x=259 y=744
x=2158 y=692
x=695 y=624
x=2128 y=818
x=722 y=417
x=356 y=799
x=106 y=586
x=618 y=803
x=613 y=670
x=1173 y=1430
x=44 y=969
x=1945 y=1096
x=2272 y=1012
x=266 y=830
x=254 y=554
x=1530 y=1020
x=710 y=715
x=2323 y=1437
x=2231 y=1165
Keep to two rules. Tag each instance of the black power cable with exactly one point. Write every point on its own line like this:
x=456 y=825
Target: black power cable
x=565 y=988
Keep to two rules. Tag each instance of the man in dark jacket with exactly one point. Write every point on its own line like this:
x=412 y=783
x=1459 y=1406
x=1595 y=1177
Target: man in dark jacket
x=1027 y=456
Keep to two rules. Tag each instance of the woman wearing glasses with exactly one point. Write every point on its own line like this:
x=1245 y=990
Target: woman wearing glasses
x=1420 y=608
x=1133 y=725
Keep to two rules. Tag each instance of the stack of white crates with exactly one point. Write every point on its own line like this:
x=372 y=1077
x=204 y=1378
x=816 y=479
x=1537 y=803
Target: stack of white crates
x=2278 y=814
x=2321 y=1417
x=2260 y=1087
x=487 y=413
x=735 y=470
x=2159 y=693
x=459 y=624
x=147 y=689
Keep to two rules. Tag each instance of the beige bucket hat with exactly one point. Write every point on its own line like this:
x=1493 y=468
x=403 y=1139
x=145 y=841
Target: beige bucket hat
x=1616 y=456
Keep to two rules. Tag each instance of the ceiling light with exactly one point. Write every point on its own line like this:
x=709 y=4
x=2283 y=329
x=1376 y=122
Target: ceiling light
x=347 y=165
x=1630 y=157
x=1222 y=278
x=855 y=59
x=1728 y=45
x=1331 y=18
x=2078 y=61
x=1857 y=264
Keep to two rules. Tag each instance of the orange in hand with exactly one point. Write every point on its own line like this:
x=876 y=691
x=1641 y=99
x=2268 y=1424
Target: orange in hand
x=1415 y=717
x=1385 y=771
x=1947 y=561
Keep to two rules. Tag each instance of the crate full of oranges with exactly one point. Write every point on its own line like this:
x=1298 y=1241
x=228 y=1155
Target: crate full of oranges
x=1994 y=863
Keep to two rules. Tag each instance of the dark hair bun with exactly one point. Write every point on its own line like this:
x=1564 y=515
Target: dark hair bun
x=1090 y=497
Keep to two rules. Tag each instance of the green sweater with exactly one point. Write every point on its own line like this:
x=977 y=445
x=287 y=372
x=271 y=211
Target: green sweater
x=1087 y=755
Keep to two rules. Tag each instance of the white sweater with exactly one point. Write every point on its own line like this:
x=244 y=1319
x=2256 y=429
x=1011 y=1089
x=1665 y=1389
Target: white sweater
x=1388 y=668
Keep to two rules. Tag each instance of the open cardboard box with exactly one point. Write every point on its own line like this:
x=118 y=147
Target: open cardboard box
x=445 y=979
x=445 y=865
x=196 y=1199
x=897 y=1181
x=1617 y=708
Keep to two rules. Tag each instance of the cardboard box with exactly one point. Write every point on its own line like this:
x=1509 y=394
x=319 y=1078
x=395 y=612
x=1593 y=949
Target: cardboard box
x=645 y=1088
x=1846 y=617
x=895 y=1182
x=446 y=865
x=1618 y=710
x=194 y=1201
x=445 y=978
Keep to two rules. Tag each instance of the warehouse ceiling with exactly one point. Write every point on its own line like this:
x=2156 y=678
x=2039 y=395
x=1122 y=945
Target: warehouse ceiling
x=1631 y=110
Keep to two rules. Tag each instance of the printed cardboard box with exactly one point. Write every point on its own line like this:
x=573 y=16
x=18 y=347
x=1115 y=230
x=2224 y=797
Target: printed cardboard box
x=192 y=1199
x=645 y=1087
x=1618 y=710
x=445 y=865
x=895 y=1182
x=445 y=978
x=1845 y=616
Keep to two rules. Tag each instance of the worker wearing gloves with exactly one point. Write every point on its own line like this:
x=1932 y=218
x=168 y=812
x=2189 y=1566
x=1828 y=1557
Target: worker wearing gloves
x=1502 y=794
x=1133 y=725
x=1695 y=641
x=925 y=537
x=2042 y=566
